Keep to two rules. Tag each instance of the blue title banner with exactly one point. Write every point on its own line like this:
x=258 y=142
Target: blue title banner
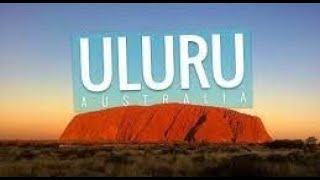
x=204 y=67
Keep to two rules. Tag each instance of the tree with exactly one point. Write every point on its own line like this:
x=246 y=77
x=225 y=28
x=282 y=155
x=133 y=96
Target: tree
x=311 y=143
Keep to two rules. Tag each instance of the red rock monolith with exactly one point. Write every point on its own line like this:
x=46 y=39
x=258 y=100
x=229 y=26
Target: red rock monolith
x=166 y=123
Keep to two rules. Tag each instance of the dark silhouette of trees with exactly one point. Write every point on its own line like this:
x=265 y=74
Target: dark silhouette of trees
x=311 y=143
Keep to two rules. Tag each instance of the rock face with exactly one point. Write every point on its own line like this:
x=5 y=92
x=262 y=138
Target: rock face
x=166 y=123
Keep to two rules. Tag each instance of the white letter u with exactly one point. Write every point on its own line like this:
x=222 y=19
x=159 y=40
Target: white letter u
x=85 y=67
x=216 y=55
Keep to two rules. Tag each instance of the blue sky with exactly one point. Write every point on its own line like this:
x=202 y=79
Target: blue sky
x=282 y=34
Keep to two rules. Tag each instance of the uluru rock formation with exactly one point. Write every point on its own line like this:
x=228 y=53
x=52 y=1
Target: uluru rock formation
x=166 y=123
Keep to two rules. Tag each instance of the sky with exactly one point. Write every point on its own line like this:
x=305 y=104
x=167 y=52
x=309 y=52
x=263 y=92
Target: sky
x=36 y=97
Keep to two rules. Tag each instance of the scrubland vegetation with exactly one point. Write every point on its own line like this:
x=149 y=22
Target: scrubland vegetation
x=50 y=158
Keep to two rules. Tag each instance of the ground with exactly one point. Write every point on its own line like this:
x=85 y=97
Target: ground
x=55 y=159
